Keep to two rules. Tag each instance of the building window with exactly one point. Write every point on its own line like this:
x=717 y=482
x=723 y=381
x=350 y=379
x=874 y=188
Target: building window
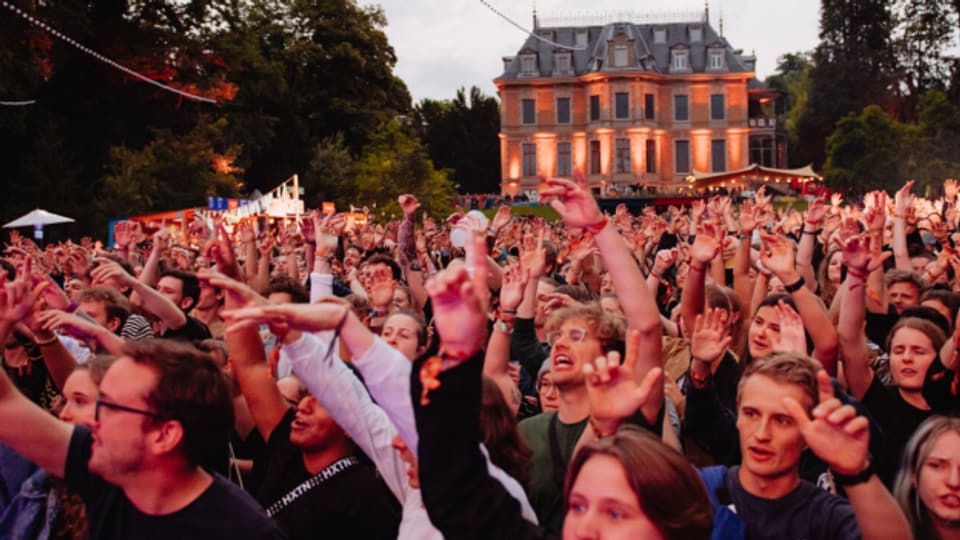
x=529 y=111
x=561 y=64
x=623 y=105
x=679 y=60
x=622 y=156
x=696 y=34
x=651 y=156
x=718 y=105
x=659 y=35
x=563 y=110
x=620 y=56
x=718 y=155
x=594 y=157
x=529 y=159
x=581 y=38
x=528 y=64
x=681 y=156
x=594 y=108
x=762 y=151
x=681 y=113
x=649 y=107
x=563 y=159
x=716 y=60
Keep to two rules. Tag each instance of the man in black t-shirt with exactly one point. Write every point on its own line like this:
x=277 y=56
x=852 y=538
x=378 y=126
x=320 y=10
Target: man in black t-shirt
x=163 y=408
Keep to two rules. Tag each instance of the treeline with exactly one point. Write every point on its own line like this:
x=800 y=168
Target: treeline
x=301 y=87
x=878 y=100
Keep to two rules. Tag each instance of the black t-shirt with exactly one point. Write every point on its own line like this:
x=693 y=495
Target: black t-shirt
x=806 y=513
x=222 y=511
x=898 y=419
x=880 y=324
x=352 y=504
x=33 y=379
x=194 y=330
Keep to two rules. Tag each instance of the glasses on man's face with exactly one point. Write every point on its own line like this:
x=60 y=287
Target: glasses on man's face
x=575 y=335
x=101 y=403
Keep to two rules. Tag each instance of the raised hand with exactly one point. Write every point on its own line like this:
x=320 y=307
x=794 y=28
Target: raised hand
x=778 y=256
x=860 y=258
x=950 y=189
x=408 y=203
x=109 y=270
x=816 y=211
x=665 y=260
x=511 y=291
x=612 y=389
x=69 y=324
x=305 y=317
x=533 y=261
x=707 y=244
x=501 y=218
x=574 y=202
x=710 y=338
x=122 y=234
x=761 y=198
x=17 y=297
x=836 y=199
x=460 y=313
x=238 y=293
x=836 y=433
x=750 y=216
x=792 y=335
x=903 y=200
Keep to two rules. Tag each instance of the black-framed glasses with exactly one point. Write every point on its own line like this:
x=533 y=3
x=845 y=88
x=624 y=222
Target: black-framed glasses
x=114 y=406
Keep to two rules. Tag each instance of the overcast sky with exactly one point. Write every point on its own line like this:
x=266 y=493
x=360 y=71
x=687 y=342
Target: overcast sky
x=442 y=45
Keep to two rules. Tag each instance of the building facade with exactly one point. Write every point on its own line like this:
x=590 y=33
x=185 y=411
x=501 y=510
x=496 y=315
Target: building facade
x=633 y=105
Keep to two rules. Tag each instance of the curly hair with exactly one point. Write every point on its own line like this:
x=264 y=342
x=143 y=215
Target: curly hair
x=609 y=329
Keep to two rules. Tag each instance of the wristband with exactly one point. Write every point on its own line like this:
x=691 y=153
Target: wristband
x=856 y=272
x=847 y=480
x=795 y=286
x=815 y=232
x=702 y=268
x=656 y=274
x=597 y=227
x=50 y=341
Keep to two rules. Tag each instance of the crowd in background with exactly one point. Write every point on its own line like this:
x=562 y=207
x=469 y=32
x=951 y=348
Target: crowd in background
x=731 y=369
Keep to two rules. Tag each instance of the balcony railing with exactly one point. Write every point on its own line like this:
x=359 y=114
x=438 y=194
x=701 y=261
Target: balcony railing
x=763 y=122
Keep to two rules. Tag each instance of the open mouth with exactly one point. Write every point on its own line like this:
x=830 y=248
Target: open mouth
x=907 y=372
x=562 y=361
x=760 y=454
x=951 y=501
x=298 y=424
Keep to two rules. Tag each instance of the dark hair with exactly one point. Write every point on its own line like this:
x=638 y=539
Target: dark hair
x=380 y=258
x=97 y=367
x=501 y=437
x=928 y=314
x=190 y=389
x=931 y=330
x=786 y=368
x=670 y=491
x=578 y=293
x=286 y=284
x=903 y=276
x=190 y=285
x=116 y=305
x=949 y=299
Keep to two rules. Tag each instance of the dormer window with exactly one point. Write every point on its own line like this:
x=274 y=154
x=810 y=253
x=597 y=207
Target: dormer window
x=561 y=64
x=581 y=38
x=696 y=34
x=659 y=35
x=680 y=60
x=715 y=60
x=528 y=64
x=620 y=56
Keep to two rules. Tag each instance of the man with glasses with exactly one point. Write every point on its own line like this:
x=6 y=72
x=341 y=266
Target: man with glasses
x=164 y=409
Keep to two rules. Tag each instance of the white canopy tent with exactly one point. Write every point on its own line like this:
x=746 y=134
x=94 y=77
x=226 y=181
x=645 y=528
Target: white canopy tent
x=37 y=219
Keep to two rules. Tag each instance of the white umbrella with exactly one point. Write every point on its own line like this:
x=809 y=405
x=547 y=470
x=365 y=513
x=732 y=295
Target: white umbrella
x=37 y=217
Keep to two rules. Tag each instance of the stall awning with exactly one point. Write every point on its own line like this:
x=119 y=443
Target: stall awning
x=753 y=175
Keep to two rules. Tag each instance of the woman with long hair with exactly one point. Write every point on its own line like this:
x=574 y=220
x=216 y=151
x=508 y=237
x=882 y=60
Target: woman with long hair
x=928 y=483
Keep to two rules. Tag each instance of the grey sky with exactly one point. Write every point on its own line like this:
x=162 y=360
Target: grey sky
x=442 y=45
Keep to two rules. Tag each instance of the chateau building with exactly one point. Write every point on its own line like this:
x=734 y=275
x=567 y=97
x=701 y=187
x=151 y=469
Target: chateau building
x=633 y=105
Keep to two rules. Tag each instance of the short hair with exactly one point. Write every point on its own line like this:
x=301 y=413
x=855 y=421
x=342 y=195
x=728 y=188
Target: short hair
x=417 y=318
x=670 y=491
x=286 y=284
x=786 y=368
x=191 y=285
x=914 y=456
x=949 y=299
x=893 y=277
x=931 y=330
x=928 y=314
x=97 y=367
x=116 y=305
x=609 y=329
x=380 y=258
x=190 y=389
x=578 y=293
x=716 y=297
x=360 y=305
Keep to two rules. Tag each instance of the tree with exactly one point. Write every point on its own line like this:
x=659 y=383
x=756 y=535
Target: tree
x=793 y=78
x=462 y=135
x=330 y=172
x=392 y=164
x=925 y=31
x=863 y=153
x=854 y=66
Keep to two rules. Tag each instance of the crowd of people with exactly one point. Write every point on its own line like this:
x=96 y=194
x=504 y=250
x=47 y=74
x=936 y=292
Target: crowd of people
x=731 y=369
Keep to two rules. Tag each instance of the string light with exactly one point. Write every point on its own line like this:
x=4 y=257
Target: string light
x=47 y=28
x=530 y=32
x=17 y=103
